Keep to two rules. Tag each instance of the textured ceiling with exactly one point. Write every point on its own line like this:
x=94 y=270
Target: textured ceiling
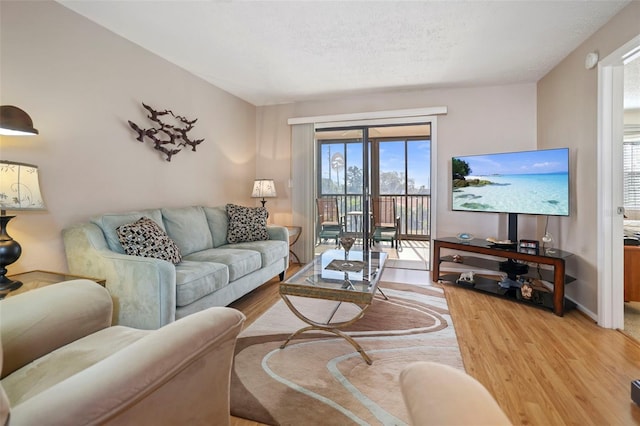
x=270 y=52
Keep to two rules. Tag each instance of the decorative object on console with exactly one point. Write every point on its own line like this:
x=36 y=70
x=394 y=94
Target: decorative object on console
x=547 y=239
x=174 y=135
x=19 y=190
x=264 y=188
x=466 y=277
x=15 y=122
x=529 y=246
x=464 y=236
x=501 y=243
x=507 y=282
x=534 y=291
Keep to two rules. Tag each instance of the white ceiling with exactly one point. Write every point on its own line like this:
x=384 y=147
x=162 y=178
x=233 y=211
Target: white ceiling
x=270 y=52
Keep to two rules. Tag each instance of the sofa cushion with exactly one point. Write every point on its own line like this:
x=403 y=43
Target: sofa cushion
x=188 y=227
x=270 y=250
x=239 y=262
x=195 y=280
x=218 y=221
x=246 y=224
x=145 y=238
x=110 y=221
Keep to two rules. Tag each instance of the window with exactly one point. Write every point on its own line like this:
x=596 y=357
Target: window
x=631 y=175
x=340 y=167
x=405 y=167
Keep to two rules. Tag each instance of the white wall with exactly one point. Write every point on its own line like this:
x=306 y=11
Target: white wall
x=81 y=83
x=567 y=116
x=479 y=120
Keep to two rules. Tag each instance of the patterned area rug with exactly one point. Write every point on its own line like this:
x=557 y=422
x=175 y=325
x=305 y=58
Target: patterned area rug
x=320 y=379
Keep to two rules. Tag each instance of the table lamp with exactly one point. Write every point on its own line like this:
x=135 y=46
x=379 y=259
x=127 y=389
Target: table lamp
x=263 y=188
x=15 y=122
x=19 y=190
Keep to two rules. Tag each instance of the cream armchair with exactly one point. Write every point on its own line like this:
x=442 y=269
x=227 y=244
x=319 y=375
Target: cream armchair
x=437 y=394
x=63 y=363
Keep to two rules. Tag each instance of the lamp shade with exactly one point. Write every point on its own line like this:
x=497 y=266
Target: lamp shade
x=19 y=187
x=15 y=122
x=263 y=188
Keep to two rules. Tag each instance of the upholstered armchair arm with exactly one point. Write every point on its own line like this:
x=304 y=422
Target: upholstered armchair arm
x=438 y=394
x=143 y=288
x=40 y=321
x=176 y=375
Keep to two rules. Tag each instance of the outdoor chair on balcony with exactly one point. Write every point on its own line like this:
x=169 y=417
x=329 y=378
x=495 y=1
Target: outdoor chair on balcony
x=385 y=222
x=330 y=223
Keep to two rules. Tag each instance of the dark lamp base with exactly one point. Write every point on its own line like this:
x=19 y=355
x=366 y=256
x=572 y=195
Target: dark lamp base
x=7 y=285
x=10 y=251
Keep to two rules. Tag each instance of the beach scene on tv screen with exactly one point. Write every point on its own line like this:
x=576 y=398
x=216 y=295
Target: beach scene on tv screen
x=530 y=182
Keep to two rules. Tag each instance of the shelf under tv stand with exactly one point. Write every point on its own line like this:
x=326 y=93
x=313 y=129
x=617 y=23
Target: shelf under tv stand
x=556 y=275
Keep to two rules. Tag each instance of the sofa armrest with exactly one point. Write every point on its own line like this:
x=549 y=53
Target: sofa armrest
x=277 y=232
x=143 y=288
x=179 y=374
x=37 y=322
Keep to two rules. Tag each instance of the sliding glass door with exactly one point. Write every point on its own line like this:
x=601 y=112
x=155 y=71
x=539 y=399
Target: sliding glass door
x=401 y=171
x=355 y=165
x=341 y=178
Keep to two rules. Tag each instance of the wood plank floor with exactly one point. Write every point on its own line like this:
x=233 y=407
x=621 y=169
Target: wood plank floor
x=542 y=369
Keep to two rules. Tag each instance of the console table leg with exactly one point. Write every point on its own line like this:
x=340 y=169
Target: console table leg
x=558 y=288
x=435 y=264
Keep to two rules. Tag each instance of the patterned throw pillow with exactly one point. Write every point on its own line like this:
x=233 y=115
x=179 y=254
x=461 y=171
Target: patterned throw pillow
x=145 y=238
x=246 y=224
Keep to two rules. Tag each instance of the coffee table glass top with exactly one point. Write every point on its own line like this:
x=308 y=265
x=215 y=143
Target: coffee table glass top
x=332 y=276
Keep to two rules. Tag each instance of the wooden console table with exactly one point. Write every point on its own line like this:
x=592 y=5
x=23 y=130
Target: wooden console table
x=556 y=259
x=32 y=280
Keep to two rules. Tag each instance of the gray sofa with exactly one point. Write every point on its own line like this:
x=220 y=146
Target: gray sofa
x=149 y=292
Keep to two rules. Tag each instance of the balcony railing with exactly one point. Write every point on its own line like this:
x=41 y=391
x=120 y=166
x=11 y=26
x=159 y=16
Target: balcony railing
x=414 y=211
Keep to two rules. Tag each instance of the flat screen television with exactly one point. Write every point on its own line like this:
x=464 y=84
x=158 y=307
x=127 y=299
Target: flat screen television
x=525 y=182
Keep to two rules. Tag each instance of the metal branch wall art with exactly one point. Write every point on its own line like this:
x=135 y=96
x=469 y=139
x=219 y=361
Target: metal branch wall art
x=167 y=138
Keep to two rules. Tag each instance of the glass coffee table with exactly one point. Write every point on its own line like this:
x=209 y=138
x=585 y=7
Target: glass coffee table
x=333 y=276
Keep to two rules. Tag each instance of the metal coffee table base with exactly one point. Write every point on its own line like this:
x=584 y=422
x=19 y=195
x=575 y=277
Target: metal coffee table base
x=328 y=326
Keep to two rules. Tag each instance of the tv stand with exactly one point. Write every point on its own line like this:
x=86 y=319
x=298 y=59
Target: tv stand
x=512 y=266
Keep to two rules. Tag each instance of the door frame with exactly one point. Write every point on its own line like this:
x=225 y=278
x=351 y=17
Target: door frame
x=610 y=218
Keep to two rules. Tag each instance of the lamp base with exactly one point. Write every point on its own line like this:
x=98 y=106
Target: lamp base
x=10 y=251
x=7 y=285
